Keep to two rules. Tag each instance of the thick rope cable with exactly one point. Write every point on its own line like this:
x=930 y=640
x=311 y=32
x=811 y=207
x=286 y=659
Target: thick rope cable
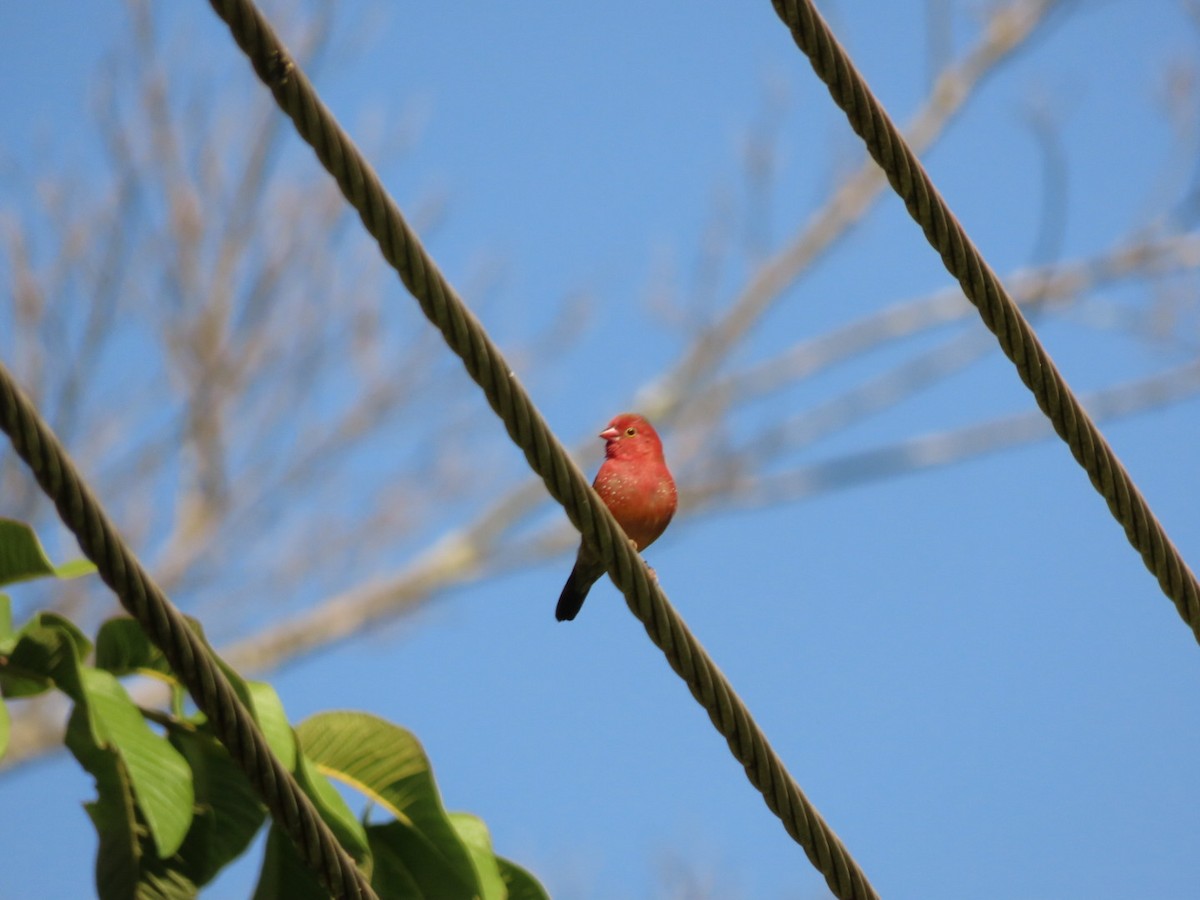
x=546 y=456
x=998 y=311
x=189 y=657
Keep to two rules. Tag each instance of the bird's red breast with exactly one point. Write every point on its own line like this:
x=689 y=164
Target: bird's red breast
x=634 y=481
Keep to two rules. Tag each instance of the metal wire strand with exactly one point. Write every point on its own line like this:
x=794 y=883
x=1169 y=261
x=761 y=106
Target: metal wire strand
x=189 y=657
x=546 y=456
x=1002 y=316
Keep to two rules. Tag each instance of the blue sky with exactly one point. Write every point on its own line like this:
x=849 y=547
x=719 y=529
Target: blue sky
x=967 y=669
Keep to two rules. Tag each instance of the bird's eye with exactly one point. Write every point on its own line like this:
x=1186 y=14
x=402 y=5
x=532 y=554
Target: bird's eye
x=630 y=431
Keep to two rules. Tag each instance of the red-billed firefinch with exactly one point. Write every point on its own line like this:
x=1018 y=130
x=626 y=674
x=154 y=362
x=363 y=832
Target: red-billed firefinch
x=634 y=483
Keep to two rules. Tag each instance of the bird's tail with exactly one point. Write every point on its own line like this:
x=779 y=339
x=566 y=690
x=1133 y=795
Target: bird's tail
x=575 y=591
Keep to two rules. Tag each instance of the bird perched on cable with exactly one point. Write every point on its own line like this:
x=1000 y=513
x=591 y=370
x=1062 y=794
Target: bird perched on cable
x=636 y=486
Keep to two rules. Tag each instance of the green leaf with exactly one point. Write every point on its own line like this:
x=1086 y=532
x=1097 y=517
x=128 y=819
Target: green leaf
x=391 y=876
x=5 y=727
x=162 y=882
x=474 y=835
x=143 y=806
x=22 y=556
x=283 y=875
x=228 y=811
x=501 y=878
x=112 y=812
x=75 y=568
x=123 y=648
x=126 y=864
x=387 y=764
x=46 y=653
x=520 y=884
x=159 y=775
x=345 y=825
x=407 y=864
x=7 y=635
x=268 y=712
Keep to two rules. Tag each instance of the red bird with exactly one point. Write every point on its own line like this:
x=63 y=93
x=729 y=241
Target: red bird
x=635 y=485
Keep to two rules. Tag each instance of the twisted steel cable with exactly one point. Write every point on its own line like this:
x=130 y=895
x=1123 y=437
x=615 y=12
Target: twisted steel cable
x=189 y=656
x=1000 y=314
x=546 y=456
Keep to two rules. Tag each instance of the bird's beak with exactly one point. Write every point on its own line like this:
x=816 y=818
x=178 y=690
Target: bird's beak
x=609 y=433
